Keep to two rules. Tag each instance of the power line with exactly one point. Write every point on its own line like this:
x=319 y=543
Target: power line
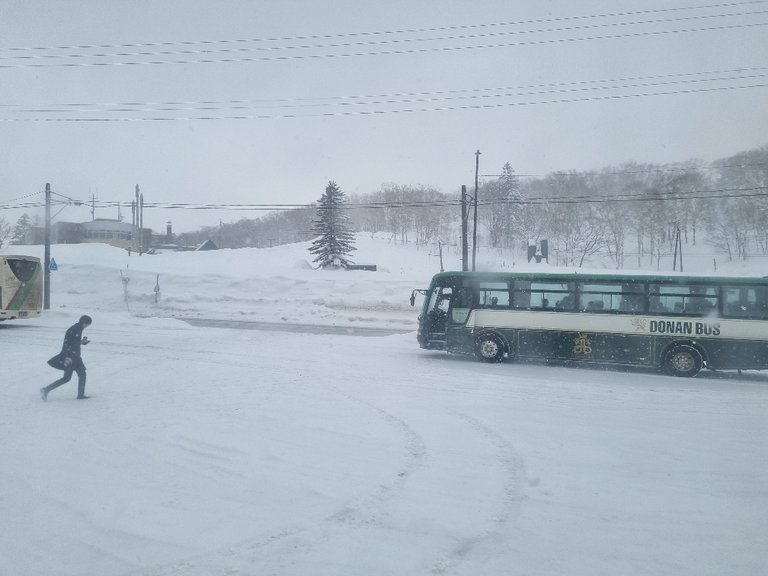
x=388 y=32
x=757 y=192
x=640 y=196
x=480 y=106
x=695 y=194
x=579 y=174
x=397 y=98
x=400 y=52
x=643 y=195
x=389 y=41
x=261 y=101
x=20 y=198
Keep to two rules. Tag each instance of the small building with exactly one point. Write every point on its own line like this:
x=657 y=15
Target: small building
x=61 y=233
x=207 y=245
x=105 y=231
x=100 y=230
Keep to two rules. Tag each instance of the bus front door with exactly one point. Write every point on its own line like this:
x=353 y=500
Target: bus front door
x=436 y=317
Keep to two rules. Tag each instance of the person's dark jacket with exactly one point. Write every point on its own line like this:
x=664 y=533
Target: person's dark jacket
x=70 y=348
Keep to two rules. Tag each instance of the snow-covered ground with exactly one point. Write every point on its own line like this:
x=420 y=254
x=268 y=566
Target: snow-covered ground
x=222 y=451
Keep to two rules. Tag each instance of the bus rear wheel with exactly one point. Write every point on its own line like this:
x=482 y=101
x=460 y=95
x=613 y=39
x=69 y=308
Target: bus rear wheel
x=684 y=360
x=489 y=348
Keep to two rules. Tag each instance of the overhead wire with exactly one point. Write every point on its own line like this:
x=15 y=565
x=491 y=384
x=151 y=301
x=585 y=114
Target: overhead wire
x=189 y=61
x=392 y=32
x=694 y=194
x=715 y=194
x=287 y=206
x=401 y=98
x=19 y=198
x=411 y=110
x=411 y=51
x=632 y=196
x=402 y=102
x=367 y=43
x=581 y=174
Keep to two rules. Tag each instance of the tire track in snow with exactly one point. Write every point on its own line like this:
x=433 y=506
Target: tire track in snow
x=513 y=494
x=365 y=510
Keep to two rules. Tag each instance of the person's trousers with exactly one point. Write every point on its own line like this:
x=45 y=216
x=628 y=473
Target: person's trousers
x=76 y=366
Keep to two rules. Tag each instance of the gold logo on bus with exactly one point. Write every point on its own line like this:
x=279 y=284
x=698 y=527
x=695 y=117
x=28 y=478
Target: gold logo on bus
x=583 y=345
x=639 y=324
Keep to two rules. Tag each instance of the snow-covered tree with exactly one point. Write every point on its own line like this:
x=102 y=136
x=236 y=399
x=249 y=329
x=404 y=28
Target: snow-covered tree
x=335 y=239
x=502 y=215
x=23 y=226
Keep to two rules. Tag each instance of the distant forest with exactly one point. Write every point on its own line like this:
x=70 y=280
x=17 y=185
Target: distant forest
x=632 y=214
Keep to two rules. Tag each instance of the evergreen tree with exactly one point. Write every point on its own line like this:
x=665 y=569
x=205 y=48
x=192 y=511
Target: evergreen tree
x=335 y=238
x=23 y=225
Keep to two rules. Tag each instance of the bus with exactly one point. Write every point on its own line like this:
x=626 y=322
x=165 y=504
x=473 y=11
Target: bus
x=677 y=323
x=21 y=287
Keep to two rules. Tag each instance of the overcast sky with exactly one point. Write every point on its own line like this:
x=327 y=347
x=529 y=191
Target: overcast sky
x=264 y=102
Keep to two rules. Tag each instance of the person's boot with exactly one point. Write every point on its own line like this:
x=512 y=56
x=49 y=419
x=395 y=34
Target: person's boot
x=81 y=390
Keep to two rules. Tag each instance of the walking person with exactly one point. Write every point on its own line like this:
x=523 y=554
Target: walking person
x=69 y=359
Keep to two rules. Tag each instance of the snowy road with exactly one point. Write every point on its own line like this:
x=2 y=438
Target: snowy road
x=293 y=327
x=222 y=451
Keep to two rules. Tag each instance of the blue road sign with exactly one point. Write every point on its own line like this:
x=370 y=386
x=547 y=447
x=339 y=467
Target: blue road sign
x=52 y=265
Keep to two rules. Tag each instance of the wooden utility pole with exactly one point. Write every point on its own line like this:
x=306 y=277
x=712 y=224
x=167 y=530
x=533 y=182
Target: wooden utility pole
x=135 y=220
x=474 y=228
x=141 y=223
x=464 y=216
x=47 y=255
x=678 y=247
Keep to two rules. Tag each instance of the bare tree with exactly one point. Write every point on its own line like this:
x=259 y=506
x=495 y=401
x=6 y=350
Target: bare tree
x=5 y=231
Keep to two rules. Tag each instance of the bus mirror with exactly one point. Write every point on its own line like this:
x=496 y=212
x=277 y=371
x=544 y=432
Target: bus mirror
x=417 y=291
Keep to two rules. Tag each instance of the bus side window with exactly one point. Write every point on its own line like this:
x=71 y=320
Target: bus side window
x=494 y=294
x=631 y=303
x=594 y=306
x=701 y=300
x=669 y=298
x=567 y=303
x=761 y=303
x=745 y=302
x=522 y=300
x=463 y=298
x=655 y=305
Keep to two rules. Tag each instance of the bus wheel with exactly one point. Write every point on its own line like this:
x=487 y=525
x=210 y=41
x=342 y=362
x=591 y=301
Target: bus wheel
x=489 y=348
x=683 y=360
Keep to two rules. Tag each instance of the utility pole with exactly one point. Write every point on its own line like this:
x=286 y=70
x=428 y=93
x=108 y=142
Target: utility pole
x=474 y=228
x=47 y=256
x=678 y=245
x=464 y=216
x=138 y=221
x=141 y=223
x=135 y=220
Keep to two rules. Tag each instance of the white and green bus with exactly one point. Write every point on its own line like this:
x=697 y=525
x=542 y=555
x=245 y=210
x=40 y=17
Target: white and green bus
x=679 y=323
x=21 y=287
